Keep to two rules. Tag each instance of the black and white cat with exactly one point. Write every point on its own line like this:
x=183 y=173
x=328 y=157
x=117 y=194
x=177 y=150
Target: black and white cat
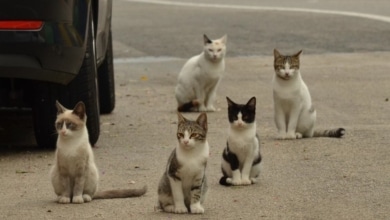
x=294 y=113
x=183 y=185
x=74 y=174
x=200 y=76
x=241 y=157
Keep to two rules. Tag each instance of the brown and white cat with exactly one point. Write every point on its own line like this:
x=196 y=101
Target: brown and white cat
x=200 y=76
x=183 y=186
x=295 y=115
x=74 y=174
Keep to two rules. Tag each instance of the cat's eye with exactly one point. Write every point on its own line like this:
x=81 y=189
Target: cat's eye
x=180 y=135
x=211 y=50
x=70 y=126
x=59 y=125
x=219 y=50
x=194 y=135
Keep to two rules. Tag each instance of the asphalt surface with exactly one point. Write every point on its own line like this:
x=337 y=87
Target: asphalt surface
x=317 y=178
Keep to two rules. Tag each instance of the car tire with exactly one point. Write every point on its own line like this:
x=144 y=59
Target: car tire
x=106 y=80
x=82 y=88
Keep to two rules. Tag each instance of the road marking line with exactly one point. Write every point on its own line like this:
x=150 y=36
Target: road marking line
x=261 y=8
x=147 y=59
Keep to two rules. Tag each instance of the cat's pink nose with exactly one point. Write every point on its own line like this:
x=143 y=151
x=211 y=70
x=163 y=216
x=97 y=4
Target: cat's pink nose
x=185 y=141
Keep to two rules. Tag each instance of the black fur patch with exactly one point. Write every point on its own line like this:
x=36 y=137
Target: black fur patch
x=248 y=110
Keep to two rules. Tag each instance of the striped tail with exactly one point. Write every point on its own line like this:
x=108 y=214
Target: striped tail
x=334 y=133
x=188 y=107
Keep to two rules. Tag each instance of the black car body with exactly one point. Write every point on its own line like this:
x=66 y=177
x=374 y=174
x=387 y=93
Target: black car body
x=56 y=50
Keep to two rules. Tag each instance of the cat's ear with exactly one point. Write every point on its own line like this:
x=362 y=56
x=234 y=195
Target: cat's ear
x=202 y=120
x=297 y=54
x=230 y=102
x=277 y=53
x=60 y=109
x=224 y=39
x=79 y=110
x=251 y=103
x=206 y=40
x=180 y=117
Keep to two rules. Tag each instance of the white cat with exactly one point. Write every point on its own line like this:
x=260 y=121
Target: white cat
x=74 y=174
x=295 y=115
x=200 y=76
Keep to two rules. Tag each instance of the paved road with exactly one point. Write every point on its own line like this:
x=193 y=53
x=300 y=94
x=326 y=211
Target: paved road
x=345 y=65
x=176 y=31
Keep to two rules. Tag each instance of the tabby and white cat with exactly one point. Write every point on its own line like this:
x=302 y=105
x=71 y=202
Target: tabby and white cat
x=74 y=174
x=200 y=76
x=295 y=115
x=183 y=186
x=241 y=157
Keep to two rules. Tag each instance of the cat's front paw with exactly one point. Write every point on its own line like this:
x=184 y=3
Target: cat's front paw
x=202 y=108
x=63 y=200
x=246 y=182
x=175 y=209
x=77 y=199
x=87 y=198
x=298 y=135
x=196 y=208
x=234 y=182
x=211 y=109
x=290 y=136
x=180 y=209
x=281 y=136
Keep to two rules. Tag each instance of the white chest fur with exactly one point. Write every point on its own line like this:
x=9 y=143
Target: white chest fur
x=243 y=142
x=194 y=160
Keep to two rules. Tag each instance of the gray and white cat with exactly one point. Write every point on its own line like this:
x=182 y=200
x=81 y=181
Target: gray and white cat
x=200 y=76
x=183 y=186
x=241 y=157
x=295 y=115
x=74 y=174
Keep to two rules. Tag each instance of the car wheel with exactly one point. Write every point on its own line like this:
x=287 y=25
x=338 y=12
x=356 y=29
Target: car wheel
x=82 y=88
x=106 y=81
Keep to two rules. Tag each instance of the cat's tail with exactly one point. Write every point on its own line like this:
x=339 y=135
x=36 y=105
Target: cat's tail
x=120 y=193
x=224 y=181
x=187 y=107
x=335 y=133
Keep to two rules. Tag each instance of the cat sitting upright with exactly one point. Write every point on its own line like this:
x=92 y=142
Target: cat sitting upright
x=241 y=157
x=200 y=76
x=295 y=115
x=183 y=185
x=74 y=174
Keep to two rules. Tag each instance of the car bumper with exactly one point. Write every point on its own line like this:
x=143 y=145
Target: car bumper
x=53 y=53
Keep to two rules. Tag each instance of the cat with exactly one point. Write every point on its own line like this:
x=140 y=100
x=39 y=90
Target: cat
x=241 y=157
x=294 y=113
x=74 y=174
x=200 y=77
x=183 y=186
